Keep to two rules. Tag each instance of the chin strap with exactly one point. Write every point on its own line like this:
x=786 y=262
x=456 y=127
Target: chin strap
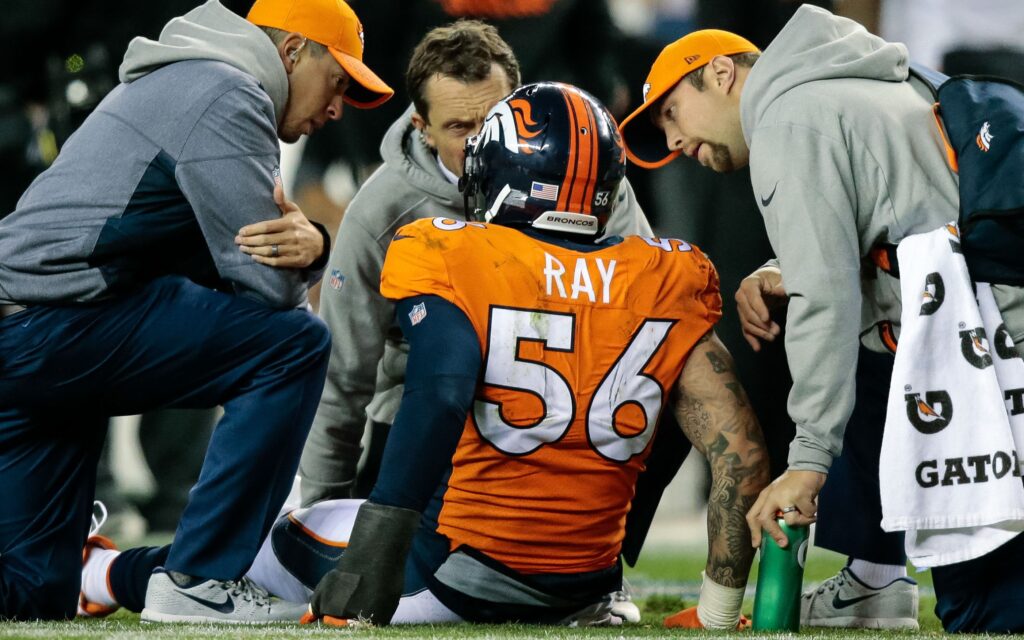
x=496 y=206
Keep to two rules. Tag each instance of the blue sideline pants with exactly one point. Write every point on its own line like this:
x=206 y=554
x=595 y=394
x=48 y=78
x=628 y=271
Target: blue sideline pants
x=63 y=370
x=850 y=503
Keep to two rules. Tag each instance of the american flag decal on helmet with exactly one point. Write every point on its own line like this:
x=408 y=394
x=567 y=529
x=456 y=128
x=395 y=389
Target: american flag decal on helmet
x=544 y=191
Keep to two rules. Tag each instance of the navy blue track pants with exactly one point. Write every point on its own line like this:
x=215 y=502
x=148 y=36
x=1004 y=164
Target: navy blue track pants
x=64 y=370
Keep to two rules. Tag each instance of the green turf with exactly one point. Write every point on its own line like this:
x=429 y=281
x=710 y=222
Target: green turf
x=660 y=575
x=666 y=581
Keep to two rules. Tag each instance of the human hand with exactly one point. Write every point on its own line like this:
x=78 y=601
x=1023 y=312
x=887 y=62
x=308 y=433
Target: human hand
x=290 y=241
x=687 y=619
x=756 y=296
x=795 y=495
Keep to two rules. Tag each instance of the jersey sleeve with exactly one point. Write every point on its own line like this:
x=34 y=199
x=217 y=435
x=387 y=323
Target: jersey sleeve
x=688 y=285
x=415 y=264
x=708 y=293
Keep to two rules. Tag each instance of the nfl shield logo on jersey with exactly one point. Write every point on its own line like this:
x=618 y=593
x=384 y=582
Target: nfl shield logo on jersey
x=417 y=314
x=337 y=280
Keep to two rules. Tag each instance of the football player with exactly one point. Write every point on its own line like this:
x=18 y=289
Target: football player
x=539 y=363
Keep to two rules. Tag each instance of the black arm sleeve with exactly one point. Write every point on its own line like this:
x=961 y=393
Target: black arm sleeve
x=440 y=382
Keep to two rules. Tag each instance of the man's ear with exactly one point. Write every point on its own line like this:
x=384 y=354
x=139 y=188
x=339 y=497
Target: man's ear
x=420 y=123
x=723 y=68
x=289 y=49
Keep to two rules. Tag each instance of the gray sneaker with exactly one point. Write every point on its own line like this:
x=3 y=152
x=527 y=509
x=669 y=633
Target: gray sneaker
x=844 y=601
x=181 y=599
x=623 y=605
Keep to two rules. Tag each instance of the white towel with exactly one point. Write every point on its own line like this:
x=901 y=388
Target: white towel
x=949 y=470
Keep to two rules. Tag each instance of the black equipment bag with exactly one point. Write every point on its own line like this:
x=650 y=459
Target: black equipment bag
x=984 y=124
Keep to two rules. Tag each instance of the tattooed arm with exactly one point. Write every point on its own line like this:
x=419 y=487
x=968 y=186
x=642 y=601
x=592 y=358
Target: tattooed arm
x=716 y=416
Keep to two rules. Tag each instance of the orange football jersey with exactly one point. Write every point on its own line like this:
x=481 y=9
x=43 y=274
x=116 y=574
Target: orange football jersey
x=581 y=351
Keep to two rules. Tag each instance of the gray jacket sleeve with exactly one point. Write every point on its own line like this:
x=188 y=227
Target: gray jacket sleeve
x=811 y=222
x=359 y=318
x=627 y=218
x=226 y=170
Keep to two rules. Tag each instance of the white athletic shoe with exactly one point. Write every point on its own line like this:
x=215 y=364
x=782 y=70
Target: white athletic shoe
x=623 y=605
x=844 y=601
x=180 y=599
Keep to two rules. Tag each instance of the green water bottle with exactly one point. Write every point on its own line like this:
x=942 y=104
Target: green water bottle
x=780 y=580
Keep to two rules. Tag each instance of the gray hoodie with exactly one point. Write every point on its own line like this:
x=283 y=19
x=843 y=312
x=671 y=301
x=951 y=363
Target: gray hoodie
x=162 y=175
x=844 y=154
x=370 y=361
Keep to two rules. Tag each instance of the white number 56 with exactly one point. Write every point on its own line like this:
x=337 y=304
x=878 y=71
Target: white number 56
x=625 y=383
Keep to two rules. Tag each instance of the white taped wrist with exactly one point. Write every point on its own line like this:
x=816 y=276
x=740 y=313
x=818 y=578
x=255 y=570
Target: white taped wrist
x=719 y=607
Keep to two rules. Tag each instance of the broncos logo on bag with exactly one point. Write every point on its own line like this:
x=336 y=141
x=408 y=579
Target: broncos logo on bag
x=931 y=415
x=974 y=346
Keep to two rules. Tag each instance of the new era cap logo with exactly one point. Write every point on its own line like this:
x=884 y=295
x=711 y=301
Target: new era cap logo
x=691 y=59
x=647 y=89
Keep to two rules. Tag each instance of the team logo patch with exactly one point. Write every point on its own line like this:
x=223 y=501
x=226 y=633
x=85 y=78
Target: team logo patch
x=931 y=415
x=934 y=294
x=418 y=313
x=336 y=281
x=984 y=139
x=974 y=346
x=543 y=191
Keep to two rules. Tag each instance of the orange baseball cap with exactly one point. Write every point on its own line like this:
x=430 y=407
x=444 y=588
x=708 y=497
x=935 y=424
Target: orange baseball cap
x=333 y=24
x=645 y=142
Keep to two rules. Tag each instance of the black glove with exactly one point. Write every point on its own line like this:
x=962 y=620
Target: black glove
x=368 y=581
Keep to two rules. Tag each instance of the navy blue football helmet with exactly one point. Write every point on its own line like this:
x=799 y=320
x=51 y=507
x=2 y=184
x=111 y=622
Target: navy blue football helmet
x=550 y=157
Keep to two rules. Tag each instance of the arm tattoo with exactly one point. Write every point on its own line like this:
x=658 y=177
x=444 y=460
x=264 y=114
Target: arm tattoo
x=737 y=391
x=717 y=363
x=715 y=415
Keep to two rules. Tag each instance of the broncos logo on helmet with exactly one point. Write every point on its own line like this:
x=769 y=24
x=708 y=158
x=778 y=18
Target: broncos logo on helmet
x=549 y=156
x=526 y=128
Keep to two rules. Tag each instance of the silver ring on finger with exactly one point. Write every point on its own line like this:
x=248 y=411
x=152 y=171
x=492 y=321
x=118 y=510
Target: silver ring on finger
x=274 y=252
x=789 y=509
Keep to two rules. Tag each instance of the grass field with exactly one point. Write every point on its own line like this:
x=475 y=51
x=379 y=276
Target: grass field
x=665 y=580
